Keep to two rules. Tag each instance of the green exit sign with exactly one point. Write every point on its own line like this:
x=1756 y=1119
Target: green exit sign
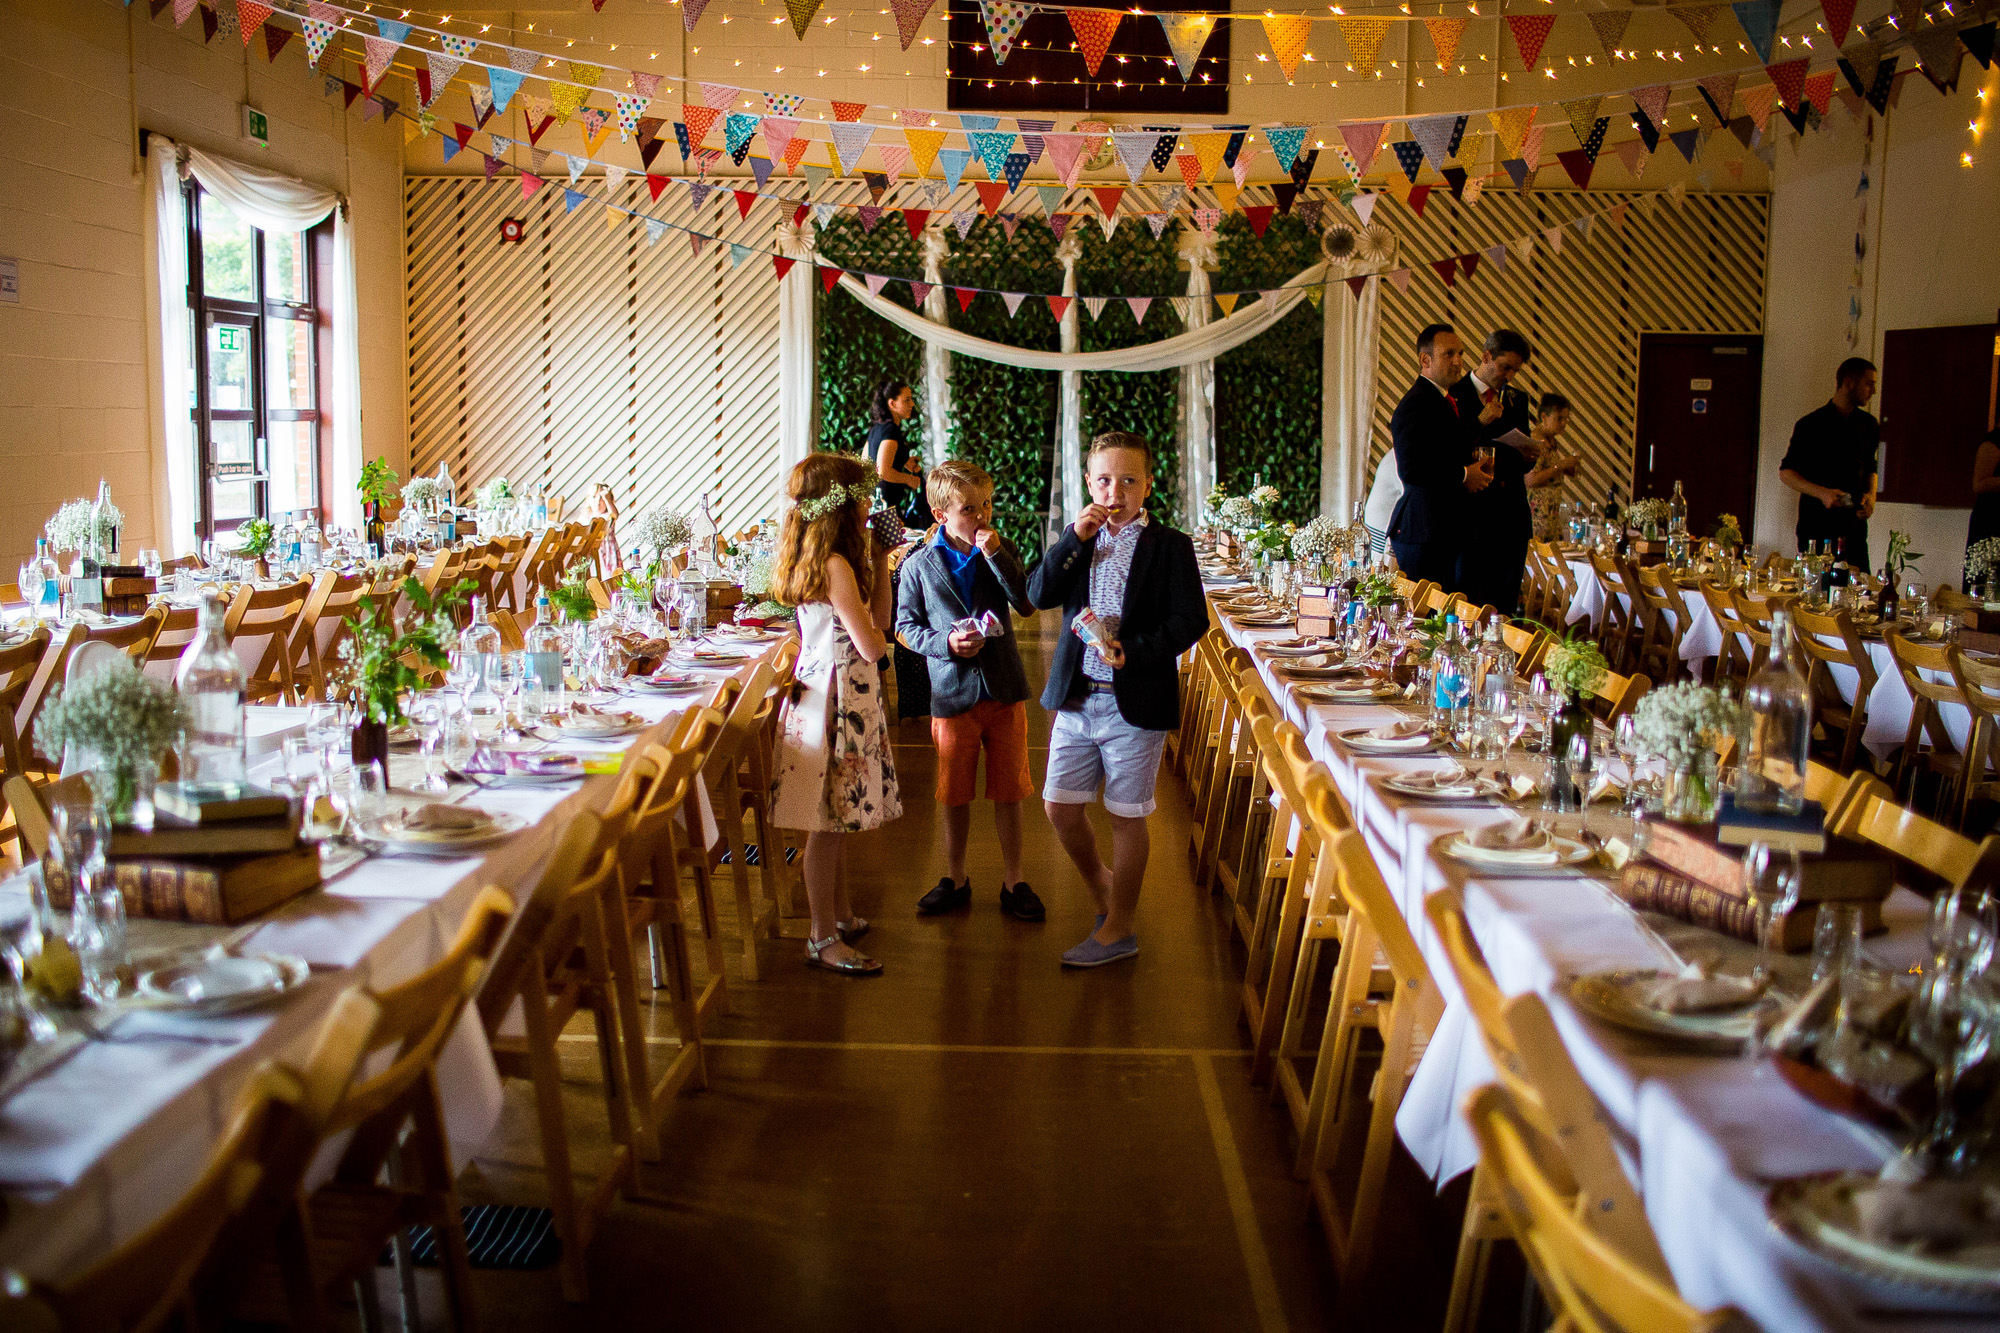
x=255 y=127
x=229 y=337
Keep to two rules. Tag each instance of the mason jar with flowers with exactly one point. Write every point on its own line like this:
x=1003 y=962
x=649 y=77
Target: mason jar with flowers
x=114 y=725
x=1316 y=546
x=1646 y=517
x=1982 y=558
x=1683 y=725
x=1576 y=668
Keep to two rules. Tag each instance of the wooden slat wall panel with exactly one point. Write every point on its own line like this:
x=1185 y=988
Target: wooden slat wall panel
x=584 y=354
x=1698 y=267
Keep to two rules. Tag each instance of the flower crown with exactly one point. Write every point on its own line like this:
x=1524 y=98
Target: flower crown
x=819 y=506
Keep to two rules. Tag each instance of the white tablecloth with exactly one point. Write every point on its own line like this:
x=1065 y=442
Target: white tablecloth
x=1699 y=1132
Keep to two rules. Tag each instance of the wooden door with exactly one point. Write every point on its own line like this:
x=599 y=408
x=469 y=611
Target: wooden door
x=1697 y=423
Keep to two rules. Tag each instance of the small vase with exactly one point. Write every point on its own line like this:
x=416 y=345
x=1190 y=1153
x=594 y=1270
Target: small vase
x=1566 y=780
x=1692 y=791
x=370 y=744
x=125 y=790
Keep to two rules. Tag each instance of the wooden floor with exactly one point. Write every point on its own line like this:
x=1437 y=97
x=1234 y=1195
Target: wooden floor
x=976 y=1140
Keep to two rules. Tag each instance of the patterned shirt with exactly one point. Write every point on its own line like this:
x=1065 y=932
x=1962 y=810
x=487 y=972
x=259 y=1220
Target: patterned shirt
x=1110 y=566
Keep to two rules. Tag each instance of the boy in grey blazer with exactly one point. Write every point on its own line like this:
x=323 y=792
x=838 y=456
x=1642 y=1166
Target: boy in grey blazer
x=955 y=608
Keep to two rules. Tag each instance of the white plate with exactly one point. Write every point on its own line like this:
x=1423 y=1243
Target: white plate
x=648 y=685
x=1359 y=740
x=1818 y=1213
x=1561 y=853
x=222 y=983
x=1610 y=997
x=595 y=731
x=1471 y=788
x=1311 y=649
x=396 y=838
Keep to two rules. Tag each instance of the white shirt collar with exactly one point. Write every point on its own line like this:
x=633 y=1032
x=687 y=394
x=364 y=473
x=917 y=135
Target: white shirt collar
x=1435 y=385
x=1478 y=383
x=1137 y=523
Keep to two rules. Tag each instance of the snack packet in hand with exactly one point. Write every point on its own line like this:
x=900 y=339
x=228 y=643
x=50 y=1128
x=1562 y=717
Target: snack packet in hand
x=1090 y=627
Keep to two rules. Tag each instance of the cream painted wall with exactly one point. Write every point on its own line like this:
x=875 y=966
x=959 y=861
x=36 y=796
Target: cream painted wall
x=1933 y=227
x=74 y=383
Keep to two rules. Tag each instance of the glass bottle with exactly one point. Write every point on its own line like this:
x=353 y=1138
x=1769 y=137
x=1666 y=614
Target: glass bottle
x=285 y=550
x=50 y=605
x=1891 y=603
x=544 y=645
x=1611 y=509
x=311 y=542
x=1451 y=678
x=1772 y=776
x=1677 y=510
x=211 y=681
x=103 y=535
x=1497 y=662
x=480 y=642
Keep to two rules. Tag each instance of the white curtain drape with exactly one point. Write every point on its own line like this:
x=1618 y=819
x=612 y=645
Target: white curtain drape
x=1197 y=421
x=272 y=202
x=798 y=352
x=1347 y=393
x=1069 y=400
x=937 y=361
x=168 y=345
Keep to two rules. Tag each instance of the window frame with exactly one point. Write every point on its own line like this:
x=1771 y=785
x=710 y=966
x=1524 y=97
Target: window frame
x=257 y=314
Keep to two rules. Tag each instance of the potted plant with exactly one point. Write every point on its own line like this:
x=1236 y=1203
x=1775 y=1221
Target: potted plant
x=379 y=662
x=253 y=542
x=116 y=724
x=378 y=488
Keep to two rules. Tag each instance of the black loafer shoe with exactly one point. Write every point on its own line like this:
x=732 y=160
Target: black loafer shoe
x=944 y=898
x=1021 y=903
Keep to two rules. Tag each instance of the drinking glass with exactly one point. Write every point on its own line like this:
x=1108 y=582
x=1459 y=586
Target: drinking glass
x=32 y=582
x=97 y=933
x=460 y=740
x=367 y=793
x=1625 y=739
x=1771 y=878
x=1963 y=929
x=509 y=669
x=208 y=552
x=21 y=944
x=1952 y=1027
x=431 y=719
x=150 y=562
x=1836 y=939
x=1546 y=701
x=302 y=766
x=461 y=672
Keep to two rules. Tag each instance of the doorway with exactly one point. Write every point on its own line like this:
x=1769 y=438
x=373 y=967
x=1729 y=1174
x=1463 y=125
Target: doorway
x=1697 y=424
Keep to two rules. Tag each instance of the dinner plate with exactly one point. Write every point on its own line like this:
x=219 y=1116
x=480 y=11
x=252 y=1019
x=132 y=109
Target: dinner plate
x=597 y=728
x=1358 y=739
x=1310 y=648
x=1473 y=787
x=221 y=983
x=1263 y=620
x=665 y=684
x=1348 y=694
x=1305 y=670
x=1561 y=853
x=1615 y=998
x=395 y=836
x=1818 y=1212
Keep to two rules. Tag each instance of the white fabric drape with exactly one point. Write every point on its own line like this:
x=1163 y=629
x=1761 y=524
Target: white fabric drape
x=937 y=361
x=1197 y=420
x=1203 y=344
x=798 y=352
x=1347 y=393
x=346 y=405
x=1069 y=398
x=168 y=344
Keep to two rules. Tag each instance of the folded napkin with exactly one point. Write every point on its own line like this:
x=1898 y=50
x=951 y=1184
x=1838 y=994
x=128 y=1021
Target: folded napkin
x=437 y=817
x=1670 y=994
x=1402 y=729
x=1452 y=775
x=1937 y=1214
x=542 y=763
x=1516 y=835
x=1315 y=662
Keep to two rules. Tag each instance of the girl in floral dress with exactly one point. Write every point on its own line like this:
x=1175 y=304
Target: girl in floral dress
x=835 y=775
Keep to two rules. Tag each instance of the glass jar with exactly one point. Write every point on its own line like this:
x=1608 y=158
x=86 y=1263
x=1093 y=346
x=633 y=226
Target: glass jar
x=1692 y=791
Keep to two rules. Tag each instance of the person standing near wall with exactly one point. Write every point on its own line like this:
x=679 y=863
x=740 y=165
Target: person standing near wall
x=1985 y=521
x=1544 y=483
x=895 y=462
x=1831 y=464
x=1435 y=459
x=1495 y=556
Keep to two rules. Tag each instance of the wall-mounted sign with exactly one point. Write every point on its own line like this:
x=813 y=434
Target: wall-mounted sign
x=256 y=128
x=1701 y=407
x=10 y=281
x=1701 y=386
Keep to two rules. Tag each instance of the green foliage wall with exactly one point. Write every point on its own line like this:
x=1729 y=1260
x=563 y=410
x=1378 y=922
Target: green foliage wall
x=857 y=349
x=1267 y=392
x=1134 y=263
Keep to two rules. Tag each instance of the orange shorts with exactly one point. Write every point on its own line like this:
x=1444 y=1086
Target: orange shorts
x=1003 y=730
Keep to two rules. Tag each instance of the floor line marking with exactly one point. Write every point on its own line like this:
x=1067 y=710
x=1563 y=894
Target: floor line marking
x=1235 y=1185
x=937 y=1048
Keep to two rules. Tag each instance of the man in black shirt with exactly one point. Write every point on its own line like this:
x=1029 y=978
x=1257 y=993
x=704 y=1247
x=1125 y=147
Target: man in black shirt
x=1831 y=464
x=1495 y=556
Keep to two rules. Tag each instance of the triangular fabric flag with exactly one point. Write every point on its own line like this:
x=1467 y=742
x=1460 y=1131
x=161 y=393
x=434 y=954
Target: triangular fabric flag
x=1401 y=277
x=815 y=174
x=738 y=252
x=530 y=183
x=1582 y=113
x=1009 y=221
x=1186 y=35
x=1719 y=91
x=1455 y=178
x=571 y=198
x=992 y=148
x=850 y=142
x=699 y=120
x=1133 y=150
x=440 y=67
x=1578 y=164
x=655 y=229
x=1745 y=130
x=868 y=215
x=1938 y=58
x=1051 y=196
x=1819 y=87
x=655 y=184
x=1183 y=306
x=1208 y=219
x=783 y=264
x=1225 y=196
x=963 y=220
x=450 y=147
x=1438 y=136
x=1757 y=103
x=1632 y=153
x=779 y=131
x=1285 y=141
x=1357 y=285
x=1016 y=168
x=698 y=192
x=775 y=104
x=1364 y=206
x=1445 y=36
x=1095 y=305
x=920 y=291
x=1109 y=222
x=878 y=185
x=953 y=161
x=1003 y=24
x=829 y=278
x=1593 y=143
x=737 y=130
x=250 y=16
x=695 y=241
x=1649 y=133
x=1610 y=25
x=1013 y=302
x=1069 y=152
x=1363 y=141
x=1228 y=302
x=1698 y=18
x=1511 y=124
x=910 y=17
x=1839 y=19
x=1517 y=171
x=1059 y=305
x=1553 y=238
x=875 y=283
x=1139 y=305
x=1308 y=211
x=1410 y=155
x=924 y=145
x=1470 y=263
x=1688 y=141
x=745 y=201
x=1285 y=192
x=1530 y=32
x=1288 y=35
x=1208 y=152
x=1302 y=167
x=1496 y=255
x=211 y=23
x=1093 y=28
x=1419 y=196
x=1585 y=223
x=992 y=194
x=183 y=11
x=1760 y=24
x=1059 y=224
x=801 y=12
x=1032 y=131
x=1260 y=217
x=1364 y=44
x=967 y=121
x=1653 y=100
x=319 y=24
x=379 y=51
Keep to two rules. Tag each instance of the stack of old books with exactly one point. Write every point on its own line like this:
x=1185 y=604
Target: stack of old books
x=213 y=861
x=1694 y=873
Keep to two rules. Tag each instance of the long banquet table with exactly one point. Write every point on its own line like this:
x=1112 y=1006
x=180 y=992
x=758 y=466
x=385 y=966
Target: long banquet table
x=97 y=1147
x=1702 y=1136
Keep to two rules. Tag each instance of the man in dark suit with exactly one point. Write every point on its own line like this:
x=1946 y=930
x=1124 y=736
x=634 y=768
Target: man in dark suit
x=1495 y=556
x=1115 y=699
x=1435 y=458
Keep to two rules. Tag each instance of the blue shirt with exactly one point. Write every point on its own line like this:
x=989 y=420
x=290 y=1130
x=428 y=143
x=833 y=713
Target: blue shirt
x=960 y=567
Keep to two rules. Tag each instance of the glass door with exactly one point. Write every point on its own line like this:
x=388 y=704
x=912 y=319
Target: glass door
x=235 y=452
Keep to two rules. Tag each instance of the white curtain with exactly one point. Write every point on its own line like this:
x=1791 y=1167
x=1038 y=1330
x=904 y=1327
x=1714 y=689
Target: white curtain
x=271 y=202
x=937 y=361
x=798 y=369
x=168 y=345
x=1197 y=423
x=1347 y=393
x=1069 y=400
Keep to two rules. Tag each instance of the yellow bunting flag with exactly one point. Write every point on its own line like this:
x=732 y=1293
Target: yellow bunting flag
x=592 y=141
x=587 y=75
x=924 y=145
x=566 y=98
x=614 y=217
x=1288 y=35
x=1445 y=35
x=1225 y=196
x=1582 y=113
x=1209 y=148
x=1227 y=301
x=801 y=12
x=1511 y=124
x=1364 y=41
x=1399 y=186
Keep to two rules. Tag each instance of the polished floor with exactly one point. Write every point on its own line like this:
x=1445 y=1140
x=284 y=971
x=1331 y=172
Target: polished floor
x=978 y=1139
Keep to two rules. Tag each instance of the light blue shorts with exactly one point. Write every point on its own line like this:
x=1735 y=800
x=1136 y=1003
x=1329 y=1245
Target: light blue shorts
x=1094 y=746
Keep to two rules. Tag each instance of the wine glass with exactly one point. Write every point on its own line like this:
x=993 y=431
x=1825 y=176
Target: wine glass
x=1625 y=739
x=1964 y=926
x=1951 y=1025
x=461 y=672
x=97 y=933
x=32 y=583
x=1771 y=879
x=460 y=741
x=431 y=718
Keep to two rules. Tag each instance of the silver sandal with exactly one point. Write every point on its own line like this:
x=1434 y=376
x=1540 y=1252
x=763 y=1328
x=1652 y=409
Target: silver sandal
x=860 y=965
x=851 y=929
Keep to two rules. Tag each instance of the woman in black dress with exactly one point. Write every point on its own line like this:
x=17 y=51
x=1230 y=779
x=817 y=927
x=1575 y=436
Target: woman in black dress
x=902 y=481
x=1985 y=493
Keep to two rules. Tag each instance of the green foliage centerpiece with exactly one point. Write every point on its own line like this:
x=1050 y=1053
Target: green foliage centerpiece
x=381 y=663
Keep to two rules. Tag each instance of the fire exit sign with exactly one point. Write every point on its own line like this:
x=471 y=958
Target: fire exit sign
x=229 y=337
x=255 y=127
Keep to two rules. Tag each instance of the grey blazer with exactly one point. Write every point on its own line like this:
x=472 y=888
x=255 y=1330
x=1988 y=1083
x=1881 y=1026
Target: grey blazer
x=927 y=603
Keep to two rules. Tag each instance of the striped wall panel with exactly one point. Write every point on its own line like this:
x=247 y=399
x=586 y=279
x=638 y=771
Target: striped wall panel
x=585 y=355
x=1693 y=268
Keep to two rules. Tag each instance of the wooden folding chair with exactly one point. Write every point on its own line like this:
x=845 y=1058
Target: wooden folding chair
x=1620 y=611
x=1243 y=870
x=1226 y=793
x=178 y=627
x=1980 y=692
x=1532 y=1063
x=1562 y=585
x=1593 y=1285
x=260 y=624
x=779 y=866
x=1616 y=696
x=18 y=664
x=509 y=553
x=1873 y=815
x=1197 y=680
x=1732 y=660
x=1927 y=744
x=1204 y=739
x=1663 y=617
x=1528 y=644
x=721 y=775
x=513 y=638
x=325 y=619
x=1290 y=877
x=1829 y=640
x=134 y=639
x=50 y=672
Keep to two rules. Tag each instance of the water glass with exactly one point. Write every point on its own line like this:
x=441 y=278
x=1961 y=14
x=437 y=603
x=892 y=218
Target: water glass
x=31 y=584
x=303 y=763
x=1836 y=940
x=367 y=793
x=150 y=562
x=1964 y=926
x=97 y=933
x=1771 y=879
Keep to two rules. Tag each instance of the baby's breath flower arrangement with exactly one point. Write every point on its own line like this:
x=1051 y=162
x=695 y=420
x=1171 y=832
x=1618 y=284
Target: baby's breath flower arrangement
x=1319 y=542
x=495 y=493
x=1215 y=500
x=663 y=529
x=121 y=722
x=1982 y=559
x=69 y=528
x=1648 y=513
x=1683 y=724
x=1238 y=512
x=420 y=492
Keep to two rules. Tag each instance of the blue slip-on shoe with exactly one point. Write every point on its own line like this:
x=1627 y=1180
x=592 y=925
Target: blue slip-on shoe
x=1092 y=954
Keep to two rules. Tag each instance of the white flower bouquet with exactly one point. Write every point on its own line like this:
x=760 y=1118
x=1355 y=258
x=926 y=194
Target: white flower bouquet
x=1237 y=512
x=1576 y=665
x=1642 y=513
x=1319 y=542
x=1681 y=722
x=663 y=529
x=1263 y=499
x=420 y=492
x=69 y=529
x=1982 y=559
x=495 y=493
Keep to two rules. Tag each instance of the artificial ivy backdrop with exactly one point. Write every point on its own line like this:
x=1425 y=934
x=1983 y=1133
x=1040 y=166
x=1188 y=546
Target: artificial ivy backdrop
x=1134 y=263
x=857 y=349
x=1267 y=406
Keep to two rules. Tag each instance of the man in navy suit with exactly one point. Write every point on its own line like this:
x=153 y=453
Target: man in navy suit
x=1437 y=460
x=1495 y=556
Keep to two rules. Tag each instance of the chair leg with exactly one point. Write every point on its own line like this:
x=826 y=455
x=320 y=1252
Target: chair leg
x=1475 y=1254
x=546 y=1075
x=632 y=1030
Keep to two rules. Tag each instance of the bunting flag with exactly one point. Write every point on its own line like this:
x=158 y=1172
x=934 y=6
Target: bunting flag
x=778 y=132
x=1582 y=113
x=868 y=215
x=571 y=198
x=588 y=75
x=1285 y=141
x=1068 y=153
x=1455 y=178
x=1138 y=306
x=1819 y=89
x=699 y=120
x=1530 y=32
x=801 y=12
x=1364 y=44
x=1410 y=155
x=745 y=201
x=1760 y=24
x=275 y=39
x=737 y=130
x=1093 y=28
x=1698 y=18
x=1445 y=36
x=967 y=121
x=924 y=145
x=1517 y=171
x=1187 y=34
x=1401 y=277
x=1032 y=131
x=1003 y=24
x=380 y=50
x=1689 y=143
x=1208 y=151
x=319 y=24
x=992 y=148
x=1633 y=154
x=1938 y=58
x=1447 y=269
x=1208 y=219
x=794 y=151
x=655 y=184
x=1593 y=143
x=1009 y=221
x=963 y=220
x=775 y=104
x=850 y=141
x=691 y=13
x=783 y=264
x=1016 y=168
x=848 y=112
x=1363 y=142
x=1578 y=164
x=1302 y=168
x=1059 y=224
x=530 y=183
x=1095 y=305
x=1610 y=25
x=992 y=194
x=1496 y=255
x=920 y=291
x=482 y=99
x=1051 y=197
x=1757 y=105
x=1107 y=198
x=877 y=183
x=1653 y=101
x=1511 y=126
x=695 y=242
x=760 y=167
x=1012 y=300
x=250 y=16
x=953 y=161
x=1227 y=301
x=1288 y=35
x=1719 y=91
x=1859 y=65
x=1225 y=197
x=1134 y=150
x=1438 y=136
x=1979 y=41
x=910 y=17
x=1059 y=305
x=183 y=11
x=916 y=219
x=1190 y=166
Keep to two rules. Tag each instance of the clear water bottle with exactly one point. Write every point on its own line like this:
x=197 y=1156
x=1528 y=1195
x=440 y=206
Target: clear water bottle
x=447 y=488
x=285 y=551
x=480 y=642
x=211 y=681
x=544 y=644
x=1677 y=511
x=97 y=549
x=311 y=543
x=1451 y=680
x=1772 y=776
x=1497 y=662
x=49 y=604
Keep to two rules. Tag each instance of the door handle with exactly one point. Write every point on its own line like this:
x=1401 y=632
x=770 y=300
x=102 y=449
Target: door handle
x=1649 y=458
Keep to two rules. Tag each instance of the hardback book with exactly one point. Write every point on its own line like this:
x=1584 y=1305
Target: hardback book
x=1651 y=888
x=1315 y=600
x=178 y=837
x=182 y=804
x=1310 y=627
x=214 y=891
x=1802 y=832
x=1847 y=871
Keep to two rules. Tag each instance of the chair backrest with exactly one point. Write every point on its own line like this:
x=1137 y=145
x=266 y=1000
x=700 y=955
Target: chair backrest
x=1560 y=573
x=1432 y=599
x=31 y=815
x=1592 y=1284
x=260 y=624
x=18 y=665
x=135 y=639
x=1873 y=816
x=324 y=621
x=1534 y=1065
x=1830 y=638
x=178 y=628
x=1618 y=695
x=581 y=845
x=1528 y=644
x=1832 y=790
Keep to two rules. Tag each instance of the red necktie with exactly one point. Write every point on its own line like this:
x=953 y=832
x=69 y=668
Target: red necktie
x=1486 y=397
x=1453 y=400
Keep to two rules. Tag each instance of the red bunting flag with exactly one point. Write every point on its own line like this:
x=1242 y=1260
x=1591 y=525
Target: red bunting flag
x=829 y=278
x=1578 y=164
x=848 y=112
x=783 y=263
x=655 y=184
x=530 y=183
x=1059 y=305
x=914 y=219
x=1469 y=263
x=1107 y=198
x=964 y=295
x=992 y=194
x=1839 y=18
x=1419 y=196
x=1093 y=28
x=1530 y=31
x=799 y=214
x=1260 y=217
x=1358 y=285
x=1790 y=80
x=1446 y=269
x=699 y=120
x=745 y=201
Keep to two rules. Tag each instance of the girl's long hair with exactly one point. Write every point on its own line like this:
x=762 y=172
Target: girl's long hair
x=879 y=412
x=799 y=574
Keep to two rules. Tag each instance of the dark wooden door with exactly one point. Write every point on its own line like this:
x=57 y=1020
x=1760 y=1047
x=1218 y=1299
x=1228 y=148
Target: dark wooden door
x=1697 y=423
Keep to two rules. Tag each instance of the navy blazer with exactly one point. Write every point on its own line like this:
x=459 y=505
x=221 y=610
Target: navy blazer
x=927 y=605
x=1433 y=448
x=1500 y=512
x=1164 y=614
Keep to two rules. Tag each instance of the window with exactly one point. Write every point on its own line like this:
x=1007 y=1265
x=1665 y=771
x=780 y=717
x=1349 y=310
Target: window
x=259 y=431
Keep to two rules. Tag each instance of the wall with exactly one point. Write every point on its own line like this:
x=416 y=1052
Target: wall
x=1932 y=227
x=77 y=80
